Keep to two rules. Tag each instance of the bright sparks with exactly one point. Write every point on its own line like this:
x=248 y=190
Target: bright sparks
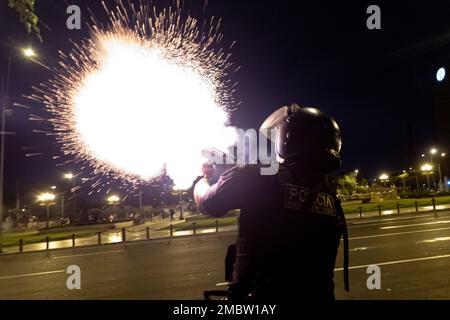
x=144 y=96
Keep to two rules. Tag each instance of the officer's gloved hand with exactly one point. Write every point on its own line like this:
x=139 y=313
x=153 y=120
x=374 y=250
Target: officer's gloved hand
x=208 y=172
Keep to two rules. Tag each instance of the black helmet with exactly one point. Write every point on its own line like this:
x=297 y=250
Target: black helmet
x=306 y=134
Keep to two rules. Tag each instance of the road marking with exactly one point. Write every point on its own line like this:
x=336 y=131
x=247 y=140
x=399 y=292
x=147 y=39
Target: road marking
x=87 y=254
x=32 y=274
x=374 y=223
x=397 y=233
x=360 y=249
x=397 y=262
x=222 y=284
x=384 y=221
x=434 y=240
x=415 y=225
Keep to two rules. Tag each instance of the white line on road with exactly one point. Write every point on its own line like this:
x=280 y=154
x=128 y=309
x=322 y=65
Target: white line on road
x=384 y=221
x=31 y=274
x=375 y=223
x=222 y=284
x=397 y=233
x=397 y=262
x=416 y=225
x=87 y=254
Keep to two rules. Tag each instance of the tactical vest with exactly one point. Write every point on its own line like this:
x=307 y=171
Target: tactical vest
x=288 y=241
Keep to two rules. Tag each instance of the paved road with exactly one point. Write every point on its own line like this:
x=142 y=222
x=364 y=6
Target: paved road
x=413 y=252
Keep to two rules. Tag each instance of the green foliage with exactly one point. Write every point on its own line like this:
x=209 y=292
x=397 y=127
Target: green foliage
x=346 y=183
x=27 y=15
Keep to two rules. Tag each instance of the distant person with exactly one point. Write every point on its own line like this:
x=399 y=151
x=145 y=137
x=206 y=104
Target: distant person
x=172 y=213
x=291 y=223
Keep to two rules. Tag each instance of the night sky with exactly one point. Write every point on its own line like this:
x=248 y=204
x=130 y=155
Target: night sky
x=376 y=83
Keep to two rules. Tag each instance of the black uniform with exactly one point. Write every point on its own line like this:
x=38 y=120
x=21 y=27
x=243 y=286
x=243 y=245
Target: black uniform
x=290 y=229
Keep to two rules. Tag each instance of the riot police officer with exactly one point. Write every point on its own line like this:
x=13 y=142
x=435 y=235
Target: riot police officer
x=291 y=223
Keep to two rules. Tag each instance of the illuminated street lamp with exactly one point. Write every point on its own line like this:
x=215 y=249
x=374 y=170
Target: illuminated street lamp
x=113 y=200
x=433 y=151
x=4 y=104
x=427 y=168
x=441 y=182
x=29 y=52
x=70 y=176
x=356 y=180
x=46 y=199
x=384 y=178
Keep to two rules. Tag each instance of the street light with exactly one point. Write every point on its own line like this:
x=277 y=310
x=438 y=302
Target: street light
x=180 y=191
x=71 y=176
x=427 y=168
x=46 y=199
x=28 y=52
x=4 y=102
x=433 y=152
x=384 y=178
x=356 y=181
x=113 y=200
x=441 y=182
x=68 y=176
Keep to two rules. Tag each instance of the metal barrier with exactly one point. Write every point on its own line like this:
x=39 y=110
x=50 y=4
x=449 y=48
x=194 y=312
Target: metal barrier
x=144 y=232
x=397 y=207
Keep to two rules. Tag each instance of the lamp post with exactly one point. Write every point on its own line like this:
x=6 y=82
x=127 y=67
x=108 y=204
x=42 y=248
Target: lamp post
x=46 y=199
x=404 y=175
x=427 y=168
x=180 y=191
x=433 y=152
x=441 y=181
x=113 y=200
x=384 y=178
x=28 y=53
x=71 y=177
x=141 y=206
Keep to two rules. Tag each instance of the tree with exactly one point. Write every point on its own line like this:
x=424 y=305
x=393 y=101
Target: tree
x=27 y=15
x=347 y=183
